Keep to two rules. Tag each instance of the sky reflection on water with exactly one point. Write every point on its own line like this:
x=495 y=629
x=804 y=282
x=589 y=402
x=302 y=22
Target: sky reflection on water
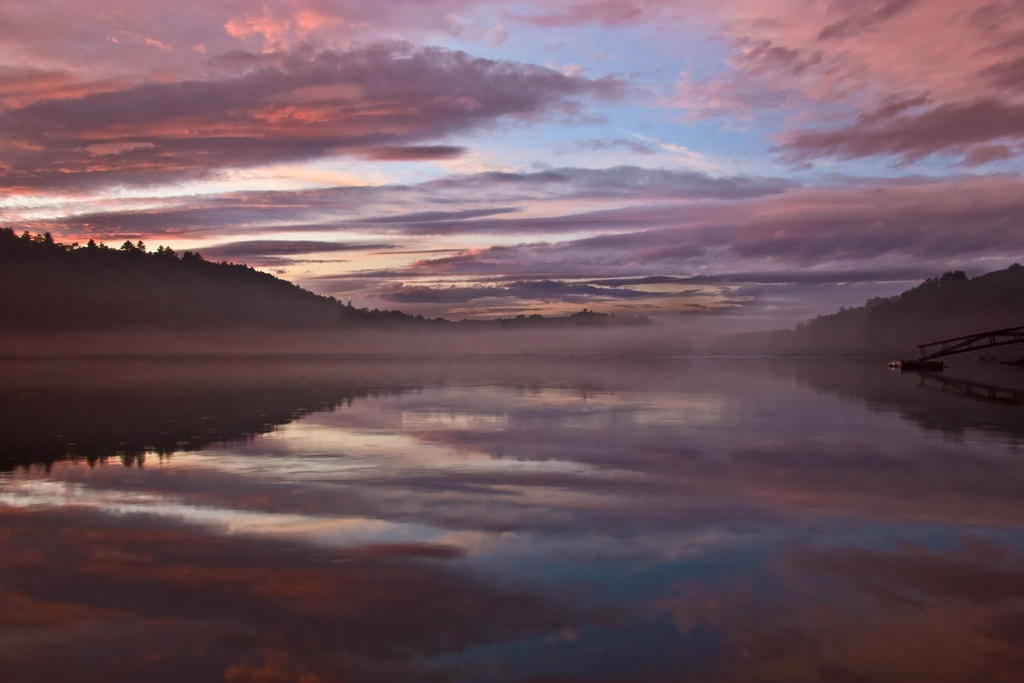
x=533 y=519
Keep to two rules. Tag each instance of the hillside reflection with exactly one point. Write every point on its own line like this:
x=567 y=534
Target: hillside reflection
x=528 y=519
x=95 y=410
x=965 y=397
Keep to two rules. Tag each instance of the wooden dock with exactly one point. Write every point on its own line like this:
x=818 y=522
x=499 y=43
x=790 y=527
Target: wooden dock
x=917 y=365
x=971 y=342
x=931 y=351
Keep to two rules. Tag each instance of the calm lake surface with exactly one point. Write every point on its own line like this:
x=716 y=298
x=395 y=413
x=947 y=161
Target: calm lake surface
x=490 y=519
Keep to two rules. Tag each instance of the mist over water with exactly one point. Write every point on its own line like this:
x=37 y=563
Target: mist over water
x=423 y=339
x=548 y=518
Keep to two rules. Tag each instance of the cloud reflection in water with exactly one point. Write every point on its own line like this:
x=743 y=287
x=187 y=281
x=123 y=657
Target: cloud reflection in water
x=554 y=519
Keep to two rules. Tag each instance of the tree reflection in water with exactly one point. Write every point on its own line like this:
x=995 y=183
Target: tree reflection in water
x=596 y=519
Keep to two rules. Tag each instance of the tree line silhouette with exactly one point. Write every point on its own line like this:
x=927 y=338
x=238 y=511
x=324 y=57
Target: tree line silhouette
x=941 y=307
x=48 y=285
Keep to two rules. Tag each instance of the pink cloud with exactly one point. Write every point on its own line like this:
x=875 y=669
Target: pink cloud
x=958 y=128
x=372 y=102
x=956 y=61
x=595 y=11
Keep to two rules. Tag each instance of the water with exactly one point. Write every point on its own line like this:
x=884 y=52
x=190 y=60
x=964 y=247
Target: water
x=508 y=519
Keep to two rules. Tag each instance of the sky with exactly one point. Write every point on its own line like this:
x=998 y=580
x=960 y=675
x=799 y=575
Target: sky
x=744 y=164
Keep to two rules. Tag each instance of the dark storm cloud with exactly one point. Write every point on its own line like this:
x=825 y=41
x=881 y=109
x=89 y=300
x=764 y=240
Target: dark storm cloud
x=370 y=101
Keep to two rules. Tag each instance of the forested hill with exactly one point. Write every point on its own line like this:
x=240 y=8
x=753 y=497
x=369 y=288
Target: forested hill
x=45 y=285
x=948 y=306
